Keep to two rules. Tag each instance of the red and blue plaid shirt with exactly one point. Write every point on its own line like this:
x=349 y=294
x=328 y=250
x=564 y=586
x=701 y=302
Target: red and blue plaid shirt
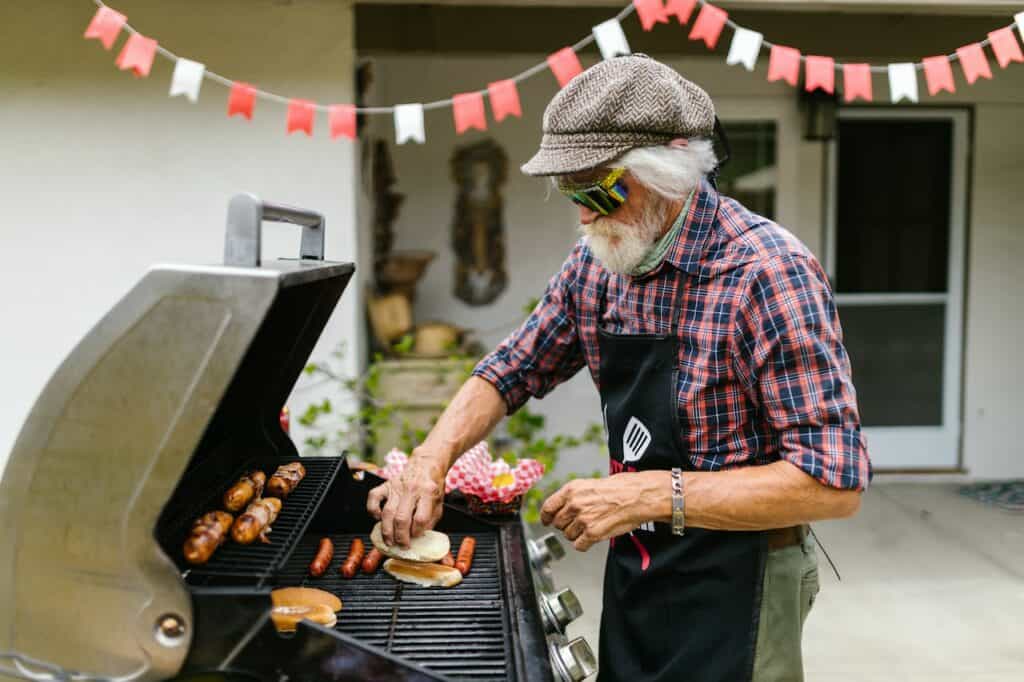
x=763 y=372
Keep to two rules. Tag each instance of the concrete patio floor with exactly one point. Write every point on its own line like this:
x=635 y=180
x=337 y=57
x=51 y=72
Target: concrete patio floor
x=932 y=590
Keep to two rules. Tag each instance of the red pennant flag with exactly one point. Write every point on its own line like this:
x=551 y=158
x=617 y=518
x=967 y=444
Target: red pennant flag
x=342 y=120
x=301 y=114
x=709 y=25
x=938 y=74
x=1005 y=46
x=856 y=82
x=105 y=26
x=820 y=72
x=565 y=65
x=784 y=64
x=137 y=54
x=241 y=99
x=468 y=108
x=650 y=12
x=974 y=62
x=682 y=9
x=504 y=99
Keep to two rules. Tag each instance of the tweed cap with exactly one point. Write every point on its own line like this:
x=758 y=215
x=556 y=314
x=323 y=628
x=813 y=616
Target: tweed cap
x=614 y=106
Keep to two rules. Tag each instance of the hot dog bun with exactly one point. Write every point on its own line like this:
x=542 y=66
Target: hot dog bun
x=429 y=547
x=427 y=575
x=304 y=596
x=286 y=618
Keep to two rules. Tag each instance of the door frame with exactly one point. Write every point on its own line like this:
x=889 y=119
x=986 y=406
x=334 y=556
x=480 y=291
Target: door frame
x=944 y=440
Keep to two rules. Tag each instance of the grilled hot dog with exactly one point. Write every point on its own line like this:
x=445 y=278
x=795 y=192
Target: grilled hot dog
x=256 y=521
x=248 y=488
x=372 y=561
x=464 y=561
x=208 y=533
x=355 y=558
x=284 y=480
x=322 y=559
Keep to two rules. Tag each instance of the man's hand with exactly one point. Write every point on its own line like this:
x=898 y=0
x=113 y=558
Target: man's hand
x=591 y=510
x=412 y=503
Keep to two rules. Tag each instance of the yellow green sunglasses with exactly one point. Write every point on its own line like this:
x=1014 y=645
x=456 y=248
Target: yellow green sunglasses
x=604 y=195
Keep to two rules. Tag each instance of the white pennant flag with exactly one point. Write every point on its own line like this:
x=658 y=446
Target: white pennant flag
x=745 y=47
x=610 y=39
x=409 y=123
x=1019 y=18
x=188 y=76
x=902 y=82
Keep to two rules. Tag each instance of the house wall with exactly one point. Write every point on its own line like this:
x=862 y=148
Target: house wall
x=103 y=175
x=540 y=228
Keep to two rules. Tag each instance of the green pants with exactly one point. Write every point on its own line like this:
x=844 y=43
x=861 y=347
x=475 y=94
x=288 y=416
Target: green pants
x=790 y=586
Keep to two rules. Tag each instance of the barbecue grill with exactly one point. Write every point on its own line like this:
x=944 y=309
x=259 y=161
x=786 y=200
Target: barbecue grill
x=171 y=397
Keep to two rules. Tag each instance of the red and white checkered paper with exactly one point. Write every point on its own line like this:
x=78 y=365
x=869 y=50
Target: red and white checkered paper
x=474 y=472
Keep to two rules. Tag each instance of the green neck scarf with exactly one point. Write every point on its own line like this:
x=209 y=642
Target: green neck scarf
x=658 y=251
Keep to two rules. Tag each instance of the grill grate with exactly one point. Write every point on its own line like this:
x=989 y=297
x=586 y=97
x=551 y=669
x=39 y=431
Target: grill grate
x=460 y=632
x=256 y=562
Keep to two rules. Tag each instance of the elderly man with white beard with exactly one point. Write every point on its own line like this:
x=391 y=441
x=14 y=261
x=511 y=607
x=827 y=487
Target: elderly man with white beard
x=712 y=337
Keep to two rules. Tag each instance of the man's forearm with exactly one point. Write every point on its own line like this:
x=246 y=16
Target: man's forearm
x=775 y=495
x=471 y=415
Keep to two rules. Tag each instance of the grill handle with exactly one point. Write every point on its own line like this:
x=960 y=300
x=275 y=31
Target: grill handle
x=246 y=214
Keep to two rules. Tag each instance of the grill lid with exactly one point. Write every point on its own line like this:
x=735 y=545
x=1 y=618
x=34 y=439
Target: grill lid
x=189 y=369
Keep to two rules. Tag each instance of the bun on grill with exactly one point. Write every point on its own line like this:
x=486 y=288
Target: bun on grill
x=286 y=618
x=427 y=575
x=304 y=596
x=429 y=547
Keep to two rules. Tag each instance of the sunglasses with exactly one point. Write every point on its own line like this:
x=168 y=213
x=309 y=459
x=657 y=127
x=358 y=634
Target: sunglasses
x=603 y=195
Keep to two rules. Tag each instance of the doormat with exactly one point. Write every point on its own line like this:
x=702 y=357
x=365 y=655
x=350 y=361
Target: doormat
x=1007 y=495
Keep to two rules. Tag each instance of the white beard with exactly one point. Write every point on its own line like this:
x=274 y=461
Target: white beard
x=621 y=247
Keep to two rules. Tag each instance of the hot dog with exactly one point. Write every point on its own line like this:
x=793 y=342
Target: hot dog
x=372 y=561
x=284 y=480
x=464 y=560
x=256 y=521
x=448 y=560
x=322 y=559
x=247 y=488
x=355 y=558
x=208 y=533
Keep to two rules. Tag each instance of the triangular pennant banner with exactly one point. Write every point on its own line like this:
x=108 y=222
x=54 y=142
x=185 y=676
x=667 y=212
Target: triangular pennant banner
x=301 y=115
x=784 y=64
x=241 y=99
x=1018 y=19
x=938 y=74
x=341 y=118
x=610 y=39
x=1005 y=46
x=709 y=25
x=974 y=62
x=902 y=82
x=565 y=65
x=188 y=76
x=856 y=82
x=409 y=123
x=137 y=54
x=105 y=26
x=820 y=72
x=745 y=48
x=504 y=99
x=468 y=109
x=650 y=12
x=681 y=9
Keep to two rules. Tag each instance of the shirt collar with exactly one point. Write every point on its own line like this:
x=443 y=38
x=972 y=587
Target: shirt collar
x=688 y=250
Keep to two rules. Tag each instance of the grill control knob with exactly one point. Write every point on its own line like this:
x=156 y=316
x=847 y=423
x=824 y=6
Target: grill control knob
x=545 y=549
x=560 y=609
x=573 y=661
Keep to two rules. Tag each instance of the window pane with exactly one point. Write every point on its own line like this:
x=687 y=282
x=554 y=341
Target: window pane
x=749 y=175
x=893 y=206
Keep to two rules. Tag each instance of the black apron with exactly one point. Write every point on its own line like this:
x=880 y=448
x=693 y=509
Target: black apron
x=676 y=608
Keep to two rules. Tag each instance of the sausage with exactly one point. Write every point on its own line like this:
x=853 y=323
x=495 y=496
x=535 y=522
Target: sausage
x=372 y=561
x=322 y=559
x=248 y=488
x=448 y=560
x=355 y=558
x=464 y=560
x=208 y=533
x=256 y=521
x=284 y=480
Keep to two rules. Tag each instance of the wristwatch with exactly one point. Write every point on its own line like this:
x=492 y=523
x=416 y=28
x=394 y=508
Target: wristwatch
x=678 y=503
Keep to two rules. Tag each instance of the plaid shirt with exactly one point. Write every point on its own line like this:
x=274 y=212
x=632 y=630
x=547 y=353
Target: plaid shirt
x=763 y=372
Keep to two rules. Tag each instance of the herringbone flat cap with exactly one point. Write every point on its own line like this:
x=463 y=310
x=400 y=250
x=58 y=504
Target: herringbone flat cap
x=614 y=106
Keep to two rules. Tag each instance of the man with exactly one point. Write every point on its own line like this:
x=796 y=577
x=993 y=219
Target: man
x=713 y=339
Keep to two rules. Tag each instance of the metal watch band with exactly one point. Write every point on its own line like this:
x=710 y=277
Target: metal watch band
x=678 y=503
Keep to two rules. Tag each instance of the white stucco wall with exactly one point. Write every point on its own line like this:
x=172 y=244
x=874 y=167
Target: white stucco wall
x=103 y=174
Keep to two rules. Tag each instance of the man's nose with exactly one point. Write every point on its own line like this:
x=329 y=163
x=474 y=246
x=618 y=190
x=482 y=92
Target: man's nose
x=588 y=215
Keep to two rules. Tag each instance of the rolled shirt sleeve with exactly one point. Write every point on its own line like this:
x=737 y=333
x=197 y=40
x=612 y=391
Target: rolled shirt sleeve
x=545 y=350
x=789 y=354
